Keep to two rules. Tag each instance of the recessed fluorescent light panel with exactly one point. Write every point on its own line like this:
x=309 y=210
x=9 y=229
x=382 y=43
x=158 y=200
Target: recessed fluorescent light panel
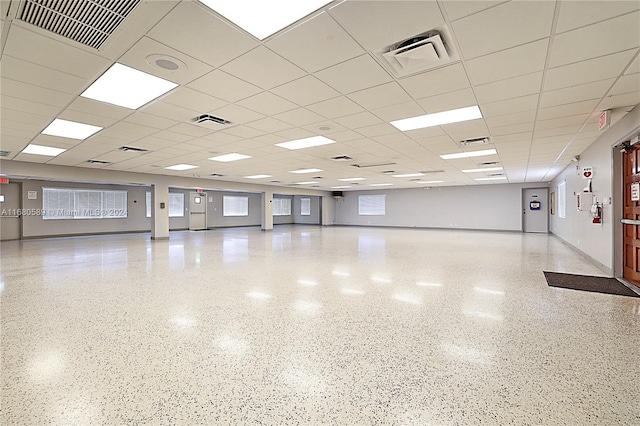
x=306 y=171
x=43 y=150
x=469 y=154
x=230 y=157
x=430 y=181
x=381 y=184
x=127 y=87
x=438 y=119
x=306 y=142
x=351 y=179
x=408 y=175
x=341 y=187
x=493 y=178
x=486 y=169
x=305 y=183
x=181 y=167
x=264 y=18
x=70 y=129
x=257 y=176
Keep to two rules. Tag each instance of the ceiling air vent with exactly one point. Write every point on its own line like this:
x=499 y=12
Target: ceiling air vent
x=342 y=158
x=132 y=149
x=474 y=141
x=216 y=175
x=4 y=153
x=425 y=172
x=89 y=22
x=489 y=163
x=364 y=165
x=99 y=162
x=212 y=122
x=421 y=52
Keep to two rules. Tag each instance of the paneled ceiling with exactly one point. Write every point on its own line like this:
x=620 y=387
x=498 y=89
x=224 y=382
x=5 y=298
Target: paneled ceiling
x=540 y=71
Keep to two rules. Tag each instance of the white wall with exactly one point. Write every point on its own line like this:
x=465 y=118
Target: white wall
x=488 y=207
x=577 y=229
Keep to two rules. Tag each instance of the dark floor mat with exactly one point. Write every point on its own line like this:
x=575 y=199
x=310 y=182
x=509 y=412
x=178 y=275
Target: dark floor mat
x=588 y=283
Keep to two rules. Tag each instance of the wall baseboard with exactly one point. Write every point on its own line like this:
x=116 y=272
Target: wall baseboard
x=595 y=262
x=429 y=227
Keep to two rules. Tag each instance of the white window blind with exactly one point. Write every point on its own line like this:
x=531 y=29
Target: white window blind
x=371 y=205
x=562 y=200
x=176 y=204
x=148 y=203
x=282 y=206
x=71 y=203
x=235 y=206
x=305 y=206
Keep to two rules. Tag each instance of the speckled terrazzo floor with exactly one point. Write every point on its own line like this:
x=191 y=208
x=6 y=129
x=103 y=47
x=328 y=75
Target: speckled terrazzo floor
x=309 y=325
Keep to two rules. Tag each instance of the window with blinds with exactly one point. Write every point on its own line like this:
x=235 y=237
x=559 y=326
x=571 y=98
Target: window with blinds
x=282 y=206
x=72 y=203
x=235 y=206
x=371 y=205
x=305 y=206
x=176 y=204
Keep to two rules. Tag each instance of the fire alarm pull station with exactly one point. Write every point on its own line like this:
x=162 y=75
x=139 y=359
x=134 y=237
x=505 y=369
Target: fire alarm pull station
x=534 y=205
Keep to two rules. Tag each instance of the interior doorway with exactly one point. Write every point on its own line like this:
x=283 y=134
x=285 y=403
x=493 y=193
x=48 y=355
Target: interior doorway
x=535 y=210
x=10 y=212
x=631 y=214
x=197 y=211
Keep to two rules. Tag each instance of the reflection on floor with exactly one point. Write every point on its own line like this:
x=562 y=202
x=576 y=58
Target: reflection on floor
x=310 y=325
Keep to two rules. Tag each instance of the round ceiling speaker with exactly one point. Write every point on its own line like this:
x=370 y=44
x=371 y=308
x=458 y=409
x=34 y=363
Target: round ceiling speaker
x=166 y=62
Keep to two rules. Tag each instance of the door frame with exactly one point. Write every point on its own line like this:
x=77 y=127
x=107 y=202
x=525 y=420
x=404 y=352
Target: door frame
x=20 y=207
x=525 y=205
x=203 y=196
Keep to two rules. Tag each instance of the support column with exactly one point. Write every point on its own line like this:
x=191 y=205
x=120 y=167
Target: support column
x=159 y=214
x=267 y=211
x=328 y=210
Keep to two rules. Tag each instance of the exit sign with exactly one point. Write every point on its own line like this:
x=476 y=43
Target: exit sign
x=604 y=120
x=4 y=180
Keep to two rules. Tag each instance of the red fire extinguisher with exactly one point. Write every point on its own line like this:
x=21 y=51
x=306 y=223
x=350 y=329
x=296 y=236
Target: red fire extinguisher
x=596 y=212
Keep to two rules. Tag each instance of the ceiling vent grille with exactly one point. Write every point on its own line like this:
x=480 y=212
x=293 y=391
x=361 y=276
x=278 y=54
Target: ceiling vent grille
x=4 y=153
x=474 y=141
x=132 y=149
x=364 y=165
x=212 y=122
x=89 y=22
x=426 y=172
x=99 y=162
x=421 y=52
x=342 y=158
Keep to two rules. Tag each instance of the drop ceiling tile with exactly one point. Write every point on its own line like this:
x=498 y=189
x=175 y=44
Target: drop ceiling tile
x=336 y=107
x=582 y=92
x=293 y=134
x=193 y=30
x=263 y=68
x=363 y=20
x=397 y=112
x=305 y=91
x=29 y=92
x=244 y=132
x=224 y=86
x=221 y=138
x=358 y=120
x=36 y=48
x=149 y=120
x=355 y=74
x=556 y=131
x=634 y=67
x=575 y=120
x=512 y=129
x=127 y=131
x=28 y=107
x=37 y=75
x=316 y=44
x=436 y=82
x=267 y=103
x=507 y=119
x=504 y=26
x=448 y=101
x=620 y=101
x=575 y=14
x=587 y=71
x=269 y=125
x=87 y=118
x=511 y=88
x=377 y=130
x=524 y=103
x=299 y=117
x=466 y=130
x=172 y=112
x=459 y=9
x=138 y=57
x=190 y=129
x=380 y=96
x=626 y=84
x=600 y=39
x=508 y=63
x=567 y=109
x=347 y=135
x=193 y=100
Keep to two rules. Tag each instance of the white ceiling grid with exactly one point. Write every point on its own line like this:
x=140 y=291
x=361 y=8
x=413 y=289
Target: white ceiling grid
x=540 y=72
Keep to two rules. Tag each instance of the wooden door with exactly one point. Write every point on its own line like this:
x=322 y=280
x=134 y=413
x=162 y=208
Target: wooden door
x=631 y=164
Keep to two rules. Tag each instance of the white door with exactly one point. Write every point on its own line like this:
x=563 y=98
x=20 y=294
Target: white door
x=197 y=211
x=10 y=220
x=535 y=210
